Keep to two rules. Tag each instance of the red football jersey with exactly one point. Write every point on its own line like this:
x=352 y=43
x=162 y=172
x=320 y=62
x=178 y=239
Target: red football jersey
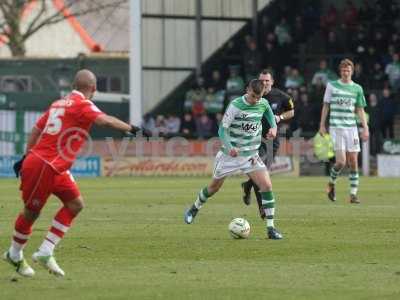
x=65 y=127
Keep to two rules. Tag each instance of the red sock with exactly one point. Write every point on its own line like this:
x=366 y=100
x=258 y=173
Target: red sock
x=23 y=229
x=61 y=223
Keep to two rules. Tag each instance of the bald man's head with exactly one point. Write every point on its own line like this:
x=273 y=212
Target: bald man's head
x=85 y=82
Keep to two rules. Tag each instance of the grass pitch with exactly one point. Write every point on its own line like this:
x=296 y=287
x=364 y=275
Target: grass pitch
x=131 y=243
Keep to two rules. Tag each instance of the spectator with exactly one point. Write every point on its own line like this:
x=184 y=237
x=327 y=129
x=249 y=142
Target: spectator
x=350 y=14
x=252 y=60
x=317 y=93
x=390 y=10
x=324 y=74
x=282 y=33
x=379 y=42
x=395 y=40
x=218 y=119
x=396 y=25
x=294 y=80
x=172 y=124
x=187 y=126
x=378 y=77
x=204 y=126
x=231 y=53
x=235 y=83
x=388 y=56
x=272 y=57
x=388 y=108
x=359 y=44
x=333 y=46
x=370 y=58
x=311 y=17
x=215 y=83
x=305 y=122
x=198 y=107
x=266 y=24
x=329 y=20
x=160 y=129
x=374 y=123
x=359 y=76
x=393 y=72
x=195 y=96
x=149 y=123
x=271 y=38
x=299 y=33
x=366 y=13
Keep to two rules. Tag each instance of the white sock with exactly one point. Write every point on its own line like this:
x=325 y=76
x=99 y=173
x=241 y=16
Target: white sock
x=201 y=199
x=198 y=203
x=46 y=248
x=16 y=252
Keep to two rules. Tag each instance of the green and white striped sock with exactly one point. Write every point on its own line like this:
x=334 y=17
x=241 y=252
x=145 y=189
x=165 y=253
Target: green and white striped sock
x=202 y=198
x=268 y=204
x=333 y=175
x=353 y=178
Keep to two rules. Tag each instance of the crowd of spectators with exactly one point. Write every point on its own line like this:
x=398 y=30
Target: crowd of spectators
x=368 y=34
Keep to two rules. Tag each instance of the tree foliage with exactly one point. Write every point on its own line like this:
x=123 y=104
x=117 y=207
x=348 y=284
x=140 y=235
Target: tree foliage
x=14 y=12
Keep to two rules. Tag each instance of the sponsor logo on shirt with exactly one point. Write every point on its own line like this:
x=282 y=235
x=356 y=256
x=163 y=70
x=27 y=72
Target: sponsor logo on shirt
x=250 y=127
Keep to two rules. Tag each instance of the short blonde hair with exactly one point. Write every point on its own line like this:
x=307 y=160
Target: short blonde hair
x=345 y=63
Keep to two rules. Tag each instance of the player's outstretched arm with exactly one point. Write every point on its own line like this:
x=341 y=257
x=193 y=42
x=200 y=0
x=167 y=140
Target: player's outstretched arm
x=112 y=122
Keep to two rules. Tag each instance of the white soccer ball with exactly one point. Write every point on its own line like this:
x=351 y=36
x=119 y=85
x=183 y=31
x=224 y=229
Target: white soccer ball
x=239 y=228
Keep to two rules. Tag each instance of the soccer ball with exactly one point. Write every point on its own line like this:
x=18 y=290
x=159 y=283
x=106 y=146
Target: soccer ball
x=239 y=228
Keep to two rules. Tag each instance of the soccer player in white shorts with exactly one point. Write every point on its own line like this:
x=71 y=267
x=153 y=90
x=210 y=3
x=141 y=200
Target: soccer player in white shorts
x=240 y=133
x=344 y=99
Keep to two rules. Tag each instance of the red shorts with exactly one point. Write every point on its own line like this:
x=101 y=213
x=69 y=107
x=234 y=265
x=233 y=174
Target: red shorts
x=39 y=180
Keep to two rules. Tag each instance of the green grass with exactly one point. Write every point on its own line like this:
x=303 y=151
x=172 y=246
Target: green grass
x=130 y=242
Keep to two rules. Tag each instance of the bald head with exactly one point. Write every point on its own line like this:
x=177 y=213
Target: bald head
x=85 y=82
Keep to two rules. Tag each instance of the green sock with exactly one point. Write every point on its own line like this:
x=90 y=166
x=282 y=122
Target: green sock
x=202 y=198
x=353 y=178
x=268 y=204
x=333 y=175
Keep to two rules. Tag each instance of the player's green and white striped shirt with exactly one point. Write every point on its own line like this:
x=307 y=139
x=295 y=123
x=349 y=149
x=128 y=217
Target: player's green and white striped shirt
x=343 y=98
x=243 y=122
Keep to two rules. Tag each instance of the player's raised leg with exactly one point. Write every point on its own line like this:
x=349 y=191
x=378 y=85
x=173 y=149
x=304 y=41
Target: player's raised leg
x=352 y=158
x=202 y=198
x=263 y=181
x=60 y=226
x=67 y=191
x=246 y=189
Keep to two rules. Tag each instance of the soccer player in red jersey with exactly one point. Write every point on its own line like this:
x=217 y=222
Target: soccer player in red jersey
x=52 y=147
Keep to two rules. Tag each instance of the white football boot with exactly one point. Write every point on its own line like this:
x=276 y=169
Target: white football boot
x=48 y=262
x=21 y=267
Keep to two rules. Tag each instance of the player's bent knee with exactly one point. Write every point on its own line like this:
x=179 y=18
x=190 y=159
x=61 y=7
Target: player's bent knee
x=267 y=187
x=76 y=206
x=340 y=164
x=31 y=215
x=214 y=186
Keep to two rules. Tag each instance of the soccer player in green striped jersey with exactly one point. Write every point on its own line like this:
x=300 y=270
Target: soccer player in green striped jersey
x=240 y=133
x=344 y=99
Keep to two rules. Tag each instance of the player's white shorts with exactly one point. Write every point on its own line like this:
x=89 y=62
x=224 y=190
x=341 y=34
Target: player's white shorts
x=226 y=165
x=345 y=139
